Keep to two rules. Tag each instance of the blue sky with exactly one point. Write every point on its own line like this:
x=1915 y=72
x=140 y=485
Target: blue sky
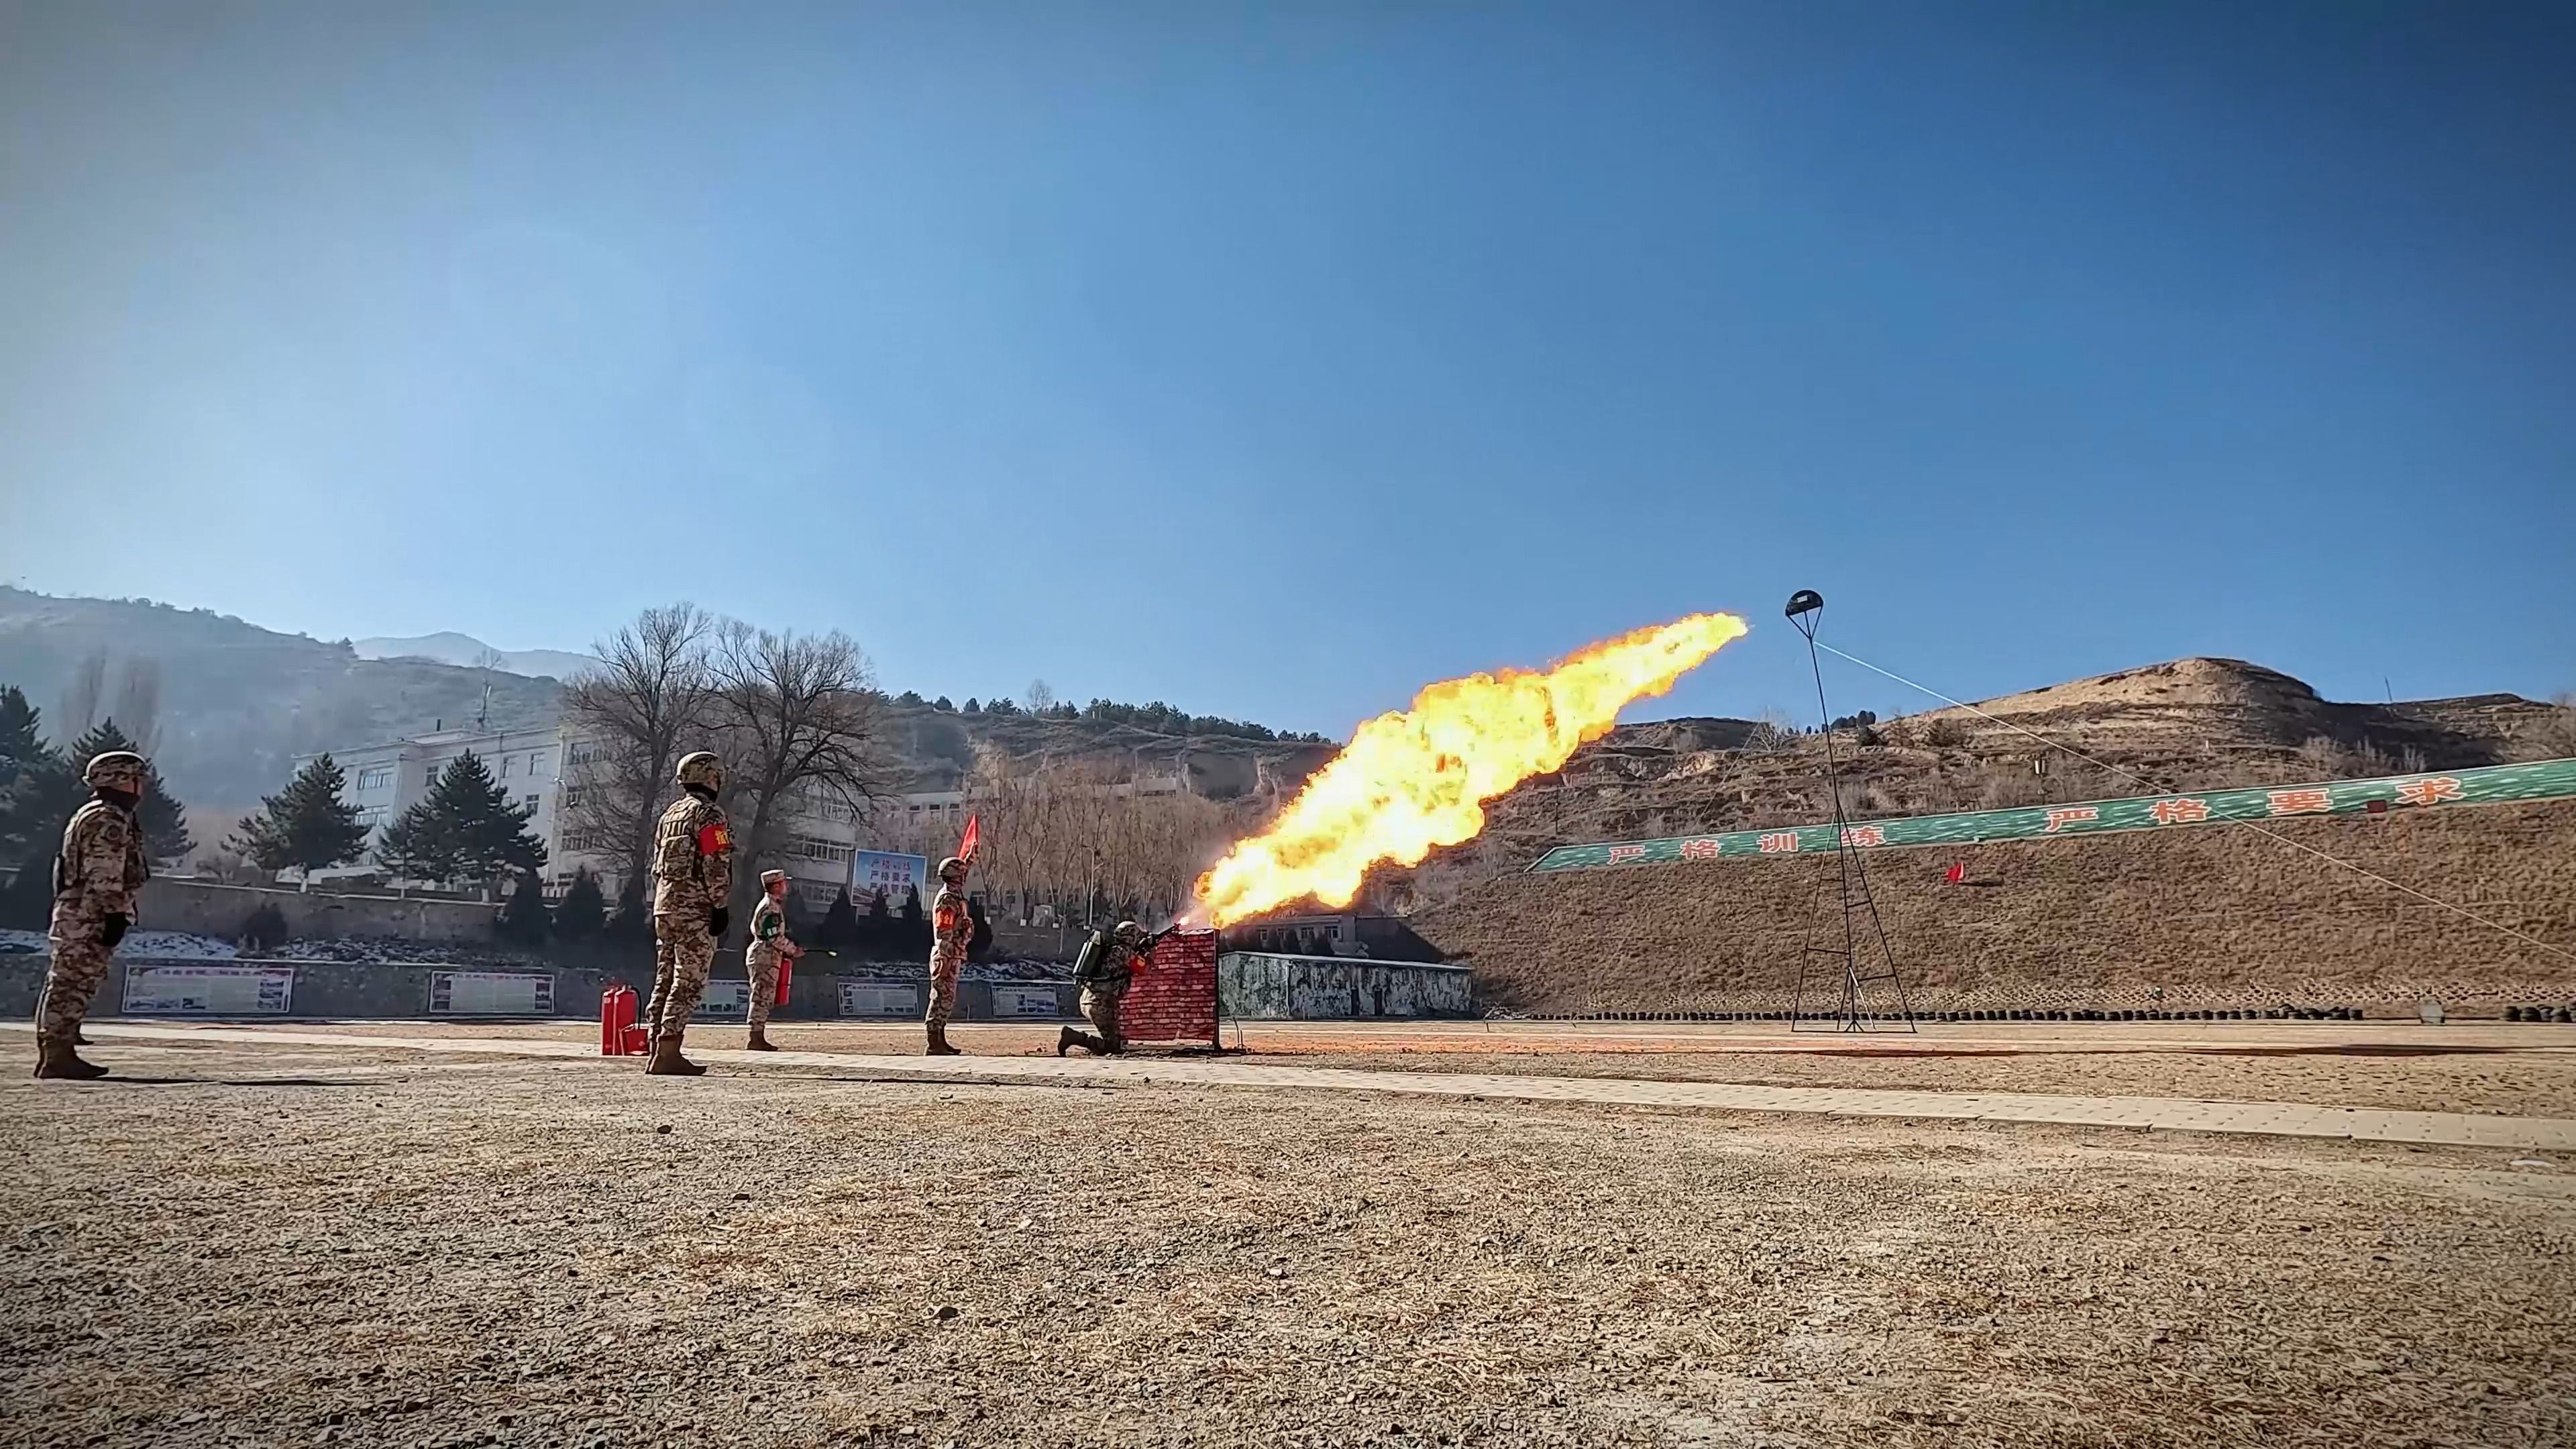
x=1274 y=360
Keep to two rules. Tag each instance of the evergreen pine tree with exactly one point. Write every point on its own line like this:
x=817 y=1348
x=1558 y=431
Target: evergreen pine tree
x=631 y=923
x=582 y=914
x=840 y=928
x=165 y=822
x=980 y=939
x=465 y=828
x=914 y=937
x=37 y=793
x=877 y=933
x=305 y=827
x=523 y=917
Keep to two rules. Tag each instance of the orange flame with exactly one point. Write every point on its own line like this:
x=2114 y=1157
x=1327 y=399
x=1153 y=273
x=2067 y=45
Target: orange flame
x=1411 y=780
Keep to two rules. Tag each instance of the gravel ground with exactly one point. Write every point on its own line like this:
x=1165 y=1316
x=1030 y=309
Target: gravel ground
x=2470 y=1069
x=286 y=1245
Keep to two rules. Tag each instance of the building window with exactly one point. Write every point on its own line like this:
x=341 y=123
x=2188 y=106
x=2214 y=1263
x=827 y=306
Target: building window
x=532 y=802
x=537 y=763
x=376 y=777
x=374 y=815
x=572 y=797
x=808 y=847
x=507 y=762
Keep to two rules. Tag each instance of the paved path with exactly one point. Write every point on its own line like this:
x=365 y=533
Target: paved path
x=2284 y=1119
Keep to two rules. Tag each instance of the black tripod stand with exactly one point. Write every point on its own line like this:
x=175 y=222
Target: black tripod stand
x=1846 y=966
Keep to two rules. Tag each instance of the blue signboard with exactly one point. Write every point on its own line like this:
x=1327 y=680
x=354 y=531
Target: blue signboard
x=872 y=871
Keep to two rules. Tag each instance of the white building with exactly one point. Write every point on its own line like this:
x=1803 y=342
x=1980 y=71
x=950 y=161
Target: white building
x=537 y=767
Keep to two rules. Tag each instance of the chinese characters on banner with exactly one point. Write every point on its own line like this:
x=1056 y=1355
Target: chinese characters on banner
x=888 y=873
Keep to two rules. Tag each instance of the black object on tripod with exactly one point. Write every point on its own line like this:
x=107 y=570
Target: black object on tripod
x=1844 y=969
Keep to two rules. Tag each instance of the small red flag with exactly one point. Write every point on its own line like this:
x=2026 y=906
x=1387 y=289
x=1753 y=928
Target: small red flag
x=1957 y=874
x=974 y=834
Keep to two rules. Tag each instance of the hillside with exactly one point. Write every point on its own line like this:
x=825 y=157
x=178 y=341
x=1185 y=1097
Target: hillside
x=237 y=703
x=2216 y=911
x=468 y=651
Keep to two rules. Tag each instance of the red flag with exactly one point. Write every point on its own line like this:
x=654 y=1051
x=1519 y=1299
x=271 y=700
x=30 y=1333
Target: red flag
x=1956 y=874
x=966 y=844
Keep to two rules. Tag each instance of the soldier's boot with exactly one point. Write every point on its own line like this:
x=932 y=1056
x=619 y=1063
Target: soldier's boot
x=667 y=1061
x=1066 y=1039
x=56 y=1061
x=1083 y=1039
x=79 y=1037
x=759 y=1041
x=939 y=1046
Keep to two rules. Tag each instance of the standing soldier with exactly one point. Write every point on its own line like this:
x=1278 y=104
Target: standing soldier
x=692 y=876
x=768 y=944
x=952 y=927
x=96 y=875
x=1108 y=964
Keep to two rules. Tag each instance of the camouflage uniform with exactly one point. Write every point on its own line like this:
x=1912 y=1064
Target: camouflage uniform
x=952 y=926
x=692 y=877
x=96 y=876
x=1109 y=968
x=760 y=961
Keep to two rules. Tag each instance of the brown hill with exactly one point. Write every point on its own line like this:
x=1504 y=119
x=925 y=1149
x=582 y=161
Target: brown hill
x=2092 y=917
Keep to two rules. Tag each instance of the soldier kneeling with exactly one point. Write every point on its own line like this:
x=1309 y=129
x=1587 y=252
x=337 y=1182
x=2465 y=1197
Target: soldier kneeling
x=1107 y=966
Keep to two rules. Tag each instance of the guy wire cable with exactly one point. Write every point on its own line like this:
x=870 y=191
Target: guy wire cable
x=2161 y=788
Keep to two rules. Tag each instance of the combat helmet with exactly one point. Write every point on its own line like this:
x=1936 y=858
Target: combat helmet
x=702 y=768
x=1130 y=932
x=953 y=869
x=115 y=770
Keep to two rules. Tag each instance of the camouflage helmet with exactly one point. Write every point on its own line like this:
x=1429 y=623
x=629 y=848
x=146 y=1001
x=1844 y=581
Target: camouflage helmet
x=702 y=768
x=115 y=770
x=953 y=869
x=1130 y=932
x=770 y=878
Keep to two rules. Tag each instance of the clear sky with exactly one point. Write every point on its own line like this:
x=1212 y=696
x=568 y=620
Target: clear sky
x=1273 y=360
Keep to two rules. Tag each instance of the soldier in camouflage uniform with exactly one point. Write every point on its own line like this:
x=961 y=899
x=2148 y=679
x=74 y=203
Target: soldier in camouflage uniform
x=692 y=877
x=760 y=960
x=96 y=875
x=1109 y=963
x=952 y=926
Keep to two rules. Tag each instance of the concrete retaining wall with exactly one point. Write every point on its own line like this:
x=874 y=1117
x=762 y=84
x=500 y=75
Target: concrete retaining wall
x=404 y=992
x=1261 y=986
x=209 y=908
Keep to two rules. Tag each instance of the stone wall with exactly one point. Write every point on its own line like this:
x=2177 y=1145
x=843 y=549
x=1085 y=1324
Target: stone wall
x=208 y=908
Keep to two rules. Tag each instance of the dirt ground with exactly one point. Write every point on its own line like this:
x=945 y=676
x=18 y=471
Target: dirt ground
x=282 y=1245
x=2487 y=1069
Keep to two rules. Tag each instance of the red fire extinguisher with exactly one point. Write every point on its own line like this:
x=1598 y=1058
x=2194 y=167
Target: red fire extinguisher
x=619 y=1036
x=786 y=972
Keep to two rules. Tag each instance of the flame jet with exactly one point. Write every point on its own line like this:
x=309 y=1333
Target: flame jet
x=1415 y=779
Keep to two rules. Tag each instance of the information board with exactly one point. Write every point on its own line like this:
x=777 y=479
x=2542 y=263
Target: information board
x=209 y=990
x=725 y=1001
x=1026 y=1001
x=491 y=993
x=888 y=873
x=880 y=998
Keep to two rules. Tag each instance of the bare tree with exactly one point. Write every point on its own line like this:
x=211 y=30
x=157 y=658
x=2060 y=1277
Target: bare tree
x=803 y=730
x=1039 y=697
x=489 y=659
x=647 y=702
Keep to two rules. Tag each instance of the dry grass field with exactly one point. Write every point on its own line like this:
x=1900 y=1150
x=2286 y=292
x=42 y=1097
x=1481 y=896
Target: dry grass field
x=271 y=1244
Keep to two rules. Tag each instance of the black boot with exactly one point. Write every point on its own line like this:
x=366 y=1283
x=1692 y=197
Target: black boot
x=759 y=1041
x=939 y=1046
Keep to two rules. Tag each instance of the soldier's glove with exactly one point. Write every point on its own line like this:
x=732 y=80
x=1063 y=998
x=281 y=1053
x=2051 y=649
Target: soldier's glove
x=112 y=929
x=717 y=920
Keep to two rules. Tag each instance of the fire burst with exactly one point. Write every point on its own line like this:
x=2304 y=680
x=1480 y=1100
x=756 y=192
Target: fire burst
x=1416 y=779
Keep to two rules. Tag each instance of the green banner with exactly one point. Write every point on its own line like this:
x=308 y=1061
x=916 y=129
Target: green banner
x=2494 y=784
